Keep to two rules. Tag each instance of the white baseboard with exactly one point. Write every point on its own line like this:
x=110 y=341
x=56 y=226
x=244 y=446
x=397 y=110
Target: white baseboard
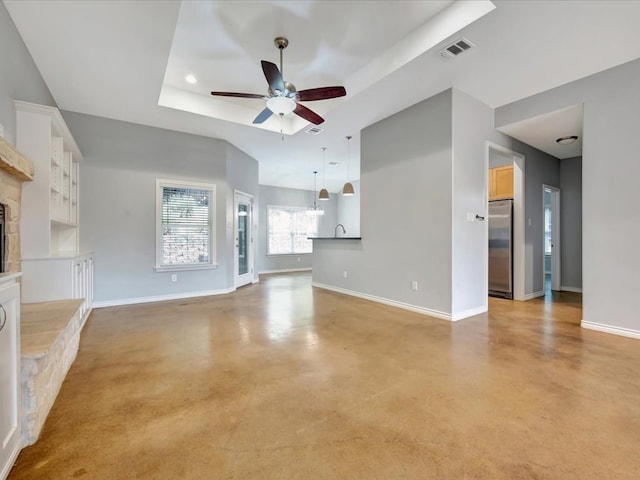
x=625 y=332
x=570 y=289
x=531 y=296
x=470 y=313
x=160 y=298
x=286 y=270
x=13 y=456
x=386 y=301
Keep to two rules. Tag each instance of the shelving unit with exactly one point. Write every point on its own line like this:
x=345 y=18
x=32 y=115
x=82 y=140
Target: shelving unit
x=49 y=226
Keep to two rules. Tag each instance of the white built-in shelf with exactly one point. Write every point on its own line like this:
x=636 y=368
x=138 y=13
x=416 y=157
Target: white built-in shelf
x=63 y=223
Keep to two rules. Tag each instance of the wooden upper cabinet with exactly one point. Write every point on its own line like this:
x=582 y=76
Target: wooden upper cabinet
x=501 y=182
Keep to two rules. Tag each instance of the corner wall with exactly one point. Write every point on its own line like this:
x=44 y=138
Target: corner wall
x=118 y=204
x=611 y=258
x=19 y=76
x=405 y=222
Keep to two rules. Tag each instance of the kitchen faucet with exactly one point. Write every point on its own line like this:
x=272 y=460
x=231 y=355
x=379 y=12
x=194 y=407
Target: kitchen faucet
x=335 y=230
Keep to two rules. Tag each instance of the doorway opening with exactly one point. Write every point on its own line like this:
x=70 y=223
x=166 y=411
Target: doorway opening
x=551 y=241
x=495 y=154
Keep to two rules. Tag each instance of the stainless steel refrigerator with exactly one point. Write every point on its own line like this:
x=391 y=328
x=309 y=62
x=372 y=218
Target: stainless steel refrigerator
x=501 y=248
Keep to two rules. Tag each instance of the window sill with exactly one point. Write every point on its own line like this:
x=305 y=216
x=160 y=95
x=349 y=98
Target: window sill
x=183 y=268
x=288 y=254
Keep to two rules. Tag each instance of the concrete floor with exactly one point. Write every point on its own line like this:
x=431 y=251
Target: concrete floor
x=282 y=381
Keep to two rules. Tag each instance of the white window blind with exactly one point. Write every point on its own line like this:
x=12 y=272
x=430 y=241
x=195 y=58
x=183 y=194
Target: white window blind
x=288 y=229
x=185 y=221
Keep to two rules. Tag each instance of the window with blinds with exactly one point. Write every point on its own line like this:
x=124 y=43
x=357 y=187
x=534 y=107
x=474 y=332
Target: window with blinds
x=185 y=224
x=288 y=229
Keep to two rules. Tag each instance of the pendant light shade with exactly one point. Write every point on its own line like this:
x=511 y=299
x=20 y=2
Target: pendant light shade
x=324 y=193
x=348 y=190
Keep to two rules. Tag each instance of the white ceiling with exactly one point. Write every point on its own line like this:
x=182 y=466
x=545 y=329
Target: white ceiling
x=118 y=59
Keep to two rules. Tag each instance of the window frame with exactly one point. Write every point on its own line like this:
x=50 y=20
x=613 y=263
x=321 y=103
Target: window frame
x=290 y=208
x=161 y=184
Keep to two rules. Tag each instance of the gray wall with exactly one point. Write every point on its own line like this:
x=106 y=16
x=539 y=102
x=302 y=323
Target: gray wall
x=19 y=77
x=472 y=126
x=611 y=259
x=497 y=159
x=349 y=211
x=118 y=204
x=540 y=169
x=292 y=198
x=406 y=187
x=242 y=176
x=571 y=222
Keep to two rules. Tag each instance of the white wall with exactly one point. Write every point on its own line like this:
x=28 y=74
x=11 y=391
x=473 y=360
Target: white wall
x=19 y=76
x=118 y=204
x=610 y=197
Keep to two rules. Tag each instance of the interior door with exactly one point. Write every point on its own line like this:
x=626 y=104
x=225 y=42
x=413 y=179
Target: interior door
x=243 y=239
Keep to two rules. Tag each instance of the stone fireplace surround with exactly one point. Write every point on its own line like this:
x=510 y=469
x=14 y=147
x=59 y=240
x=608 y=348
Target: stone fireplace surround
x=15 y=169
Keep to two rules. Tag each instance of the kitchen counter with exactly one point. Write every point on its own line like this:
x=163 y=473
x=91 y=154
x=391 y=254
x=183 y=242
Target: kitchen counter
x=334 y=238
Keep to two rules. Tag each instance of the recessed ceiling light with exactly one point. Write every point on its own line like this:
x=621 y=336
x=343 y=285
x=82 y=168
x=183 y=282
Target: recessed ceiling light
x=568 y=140
x=191 y=79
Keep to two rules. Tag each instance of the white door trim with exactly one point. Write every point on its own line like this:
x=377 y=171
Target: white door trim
x=556 y=239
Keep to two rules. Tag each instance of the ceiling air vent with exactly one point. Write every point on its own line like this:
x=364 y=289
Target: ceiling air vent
x=456 y=48
x=314 y=130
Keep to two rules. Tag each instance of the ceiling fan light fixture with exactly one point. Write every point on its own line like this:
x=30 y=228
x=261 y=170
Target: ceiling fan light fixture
x=281 y=105
x=568 y=140
x=348 y=190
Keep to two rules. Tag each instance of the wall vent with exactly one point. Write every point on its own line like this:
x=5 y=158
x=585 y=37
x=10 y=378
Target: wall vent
x=456 y=48
x=314 y=130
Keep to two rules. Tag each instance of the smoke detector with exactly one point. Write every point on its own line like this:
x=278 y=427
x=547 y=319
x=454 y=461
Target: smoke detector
x=456 y=48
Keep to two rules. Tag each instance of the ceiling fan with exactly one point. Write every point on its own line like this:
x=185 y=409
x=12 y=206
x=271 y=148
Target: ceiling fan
x=282 y=97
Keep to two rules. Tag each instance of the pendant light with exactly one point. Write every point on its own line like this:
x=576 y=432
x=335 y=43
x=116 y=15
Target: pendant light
x=348 y=190
x=315 y=210
x=324 y=193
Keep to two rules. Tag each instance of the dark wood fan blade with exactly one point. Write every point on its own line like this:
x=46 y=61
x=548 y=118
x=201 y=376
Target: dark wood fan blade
x=308 y=114
x=321 y=93
x=263 y=115
x=238 y=95
x=273 y=76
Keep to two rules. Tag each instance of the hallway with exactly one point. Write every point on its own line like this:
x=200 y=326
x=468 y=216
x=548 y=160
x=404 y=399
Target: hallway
x=280 y=380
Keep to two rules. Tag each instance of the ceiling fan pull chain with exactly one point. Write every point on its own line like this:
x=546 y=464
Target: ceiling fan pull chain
x=282 y=122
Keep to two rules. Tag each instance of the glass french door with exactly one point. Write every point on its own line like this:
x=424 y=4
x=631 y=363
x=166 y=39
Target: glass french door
x=243 y=239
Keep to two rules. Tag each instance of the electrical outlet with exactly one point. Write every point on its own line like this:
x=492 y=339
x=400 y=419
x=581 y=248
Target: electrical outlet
x=344 y=274
x=174 y=277
x=414 y=285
